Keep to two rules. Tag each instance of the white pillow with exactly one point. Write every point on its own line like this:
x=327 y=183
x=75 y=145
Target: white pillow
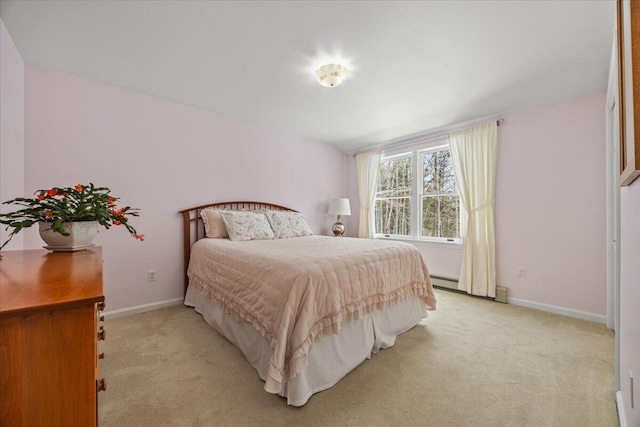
x=246 y=225
x=288 y=224
x=213 y=224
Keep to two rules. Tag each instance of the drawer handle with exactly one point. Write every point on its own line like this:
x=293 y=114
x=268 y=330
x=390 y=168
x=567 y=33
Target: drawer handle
x=102 y=318
x=101 y=306
x=101 y=384
x=102 y=334
x=101 y=356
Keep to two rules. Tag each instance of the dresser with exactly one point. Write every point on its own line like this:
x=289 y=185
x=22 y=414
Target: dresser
x=50 y=306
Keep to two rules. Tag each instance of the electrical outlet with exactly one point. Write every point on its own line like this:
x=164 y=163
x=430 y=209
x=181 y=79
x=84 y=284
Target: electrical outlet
x=521 y=272
x=151 y=276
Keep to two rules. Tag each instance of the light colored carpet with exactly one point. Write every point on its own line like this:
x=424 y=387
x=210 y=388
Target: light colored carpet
x=473 y=362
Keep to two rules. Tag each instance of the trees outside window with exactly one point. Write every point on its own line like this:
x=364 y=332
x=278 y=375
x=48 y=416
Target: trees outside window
x=393 y=198
x=417 y=196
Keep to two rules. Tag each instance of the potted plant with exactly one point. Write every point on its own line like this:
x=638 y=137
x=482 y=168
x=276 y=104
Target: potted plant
x=69 y=217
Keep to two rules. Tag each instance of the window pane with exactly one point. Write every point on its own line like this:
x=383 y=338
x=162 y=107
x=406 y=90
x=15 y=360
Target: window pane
x=393 y=216
x=395 y=178
x=440 y=216
x=438 y=172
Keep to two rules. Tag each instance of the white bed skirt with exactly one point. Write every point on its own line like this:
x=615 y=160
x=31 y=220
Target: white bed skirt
x=331 y=358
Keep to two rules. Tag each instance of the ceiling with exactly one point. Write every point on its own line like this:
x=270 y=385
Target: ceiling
x=414 y=67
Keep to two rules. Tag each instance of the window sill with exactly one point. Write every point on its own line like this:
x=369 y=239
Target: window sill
x=432 y=243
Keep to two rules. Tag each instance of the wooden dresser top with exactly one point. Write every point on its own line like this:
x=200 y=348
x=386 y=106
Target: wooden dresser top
x=35 y=279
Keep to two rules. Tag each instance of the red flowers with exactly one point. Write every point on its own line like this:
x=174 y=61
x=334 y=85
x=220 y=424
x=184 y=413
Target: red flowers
x=112 y=201
x=48 y=214
x=51 y=193
x=79 y=188
x=139 y=237
x=116 y=222
x=118 y=212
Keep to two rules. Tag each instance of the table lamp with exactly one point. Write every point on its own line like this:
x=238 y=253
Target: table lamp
x=339 y=207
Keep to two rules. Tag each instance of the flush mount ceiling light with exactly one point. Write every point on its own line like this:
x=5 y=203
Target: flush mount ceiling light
x=331 y=75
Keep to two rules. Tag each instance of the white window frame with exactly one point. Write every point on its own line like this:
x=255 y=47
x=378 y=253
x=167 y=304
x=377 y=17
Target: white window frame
x=417 y=196
x=411 y=197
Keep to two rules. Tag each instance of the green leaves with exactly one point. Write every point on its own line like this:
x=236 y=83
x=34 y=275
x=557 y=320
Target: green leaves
x=69 y=204
x=17 y=226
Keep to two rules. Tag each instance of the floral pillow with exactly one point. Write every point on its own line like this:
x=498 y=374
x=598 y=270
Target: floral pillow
x=213 y=224
x=246 y=225
x=288 y=224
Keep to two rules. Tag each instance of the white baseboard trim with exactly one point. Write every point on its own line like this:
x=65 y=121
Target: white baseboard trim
x=142 y=308
x=621 y=417
x=600 y=318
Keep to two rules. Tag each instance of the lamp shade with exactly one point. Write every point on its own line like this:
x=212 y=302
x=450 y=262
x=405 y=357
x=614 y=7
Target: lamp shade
x=339 y=207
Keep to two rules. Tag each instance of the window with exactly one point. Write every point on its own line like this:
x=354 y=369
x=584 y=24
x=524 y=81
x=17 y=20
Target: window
x=417 y=197
x=393 y=198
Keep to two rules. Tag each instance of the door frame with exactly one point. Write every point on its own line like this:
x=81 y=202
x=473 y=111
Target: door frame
x=613 y=206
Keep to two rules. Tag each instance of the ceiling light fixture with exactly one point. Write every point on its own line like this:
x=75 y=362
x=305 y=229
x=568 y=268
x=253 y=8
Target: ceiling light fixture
x=331 y=75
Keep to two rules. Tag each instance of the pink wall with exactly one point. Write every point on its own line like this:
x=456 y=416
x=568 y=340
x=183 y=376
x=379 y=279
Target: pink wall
x=630 y=299
x=11 y=129
x=550 y=204
x=550 y=207
x=162 y=157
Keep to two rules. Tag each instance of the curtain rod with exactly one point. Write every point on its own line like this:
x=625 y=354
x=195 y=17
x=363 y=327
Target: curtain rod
x=428 y=137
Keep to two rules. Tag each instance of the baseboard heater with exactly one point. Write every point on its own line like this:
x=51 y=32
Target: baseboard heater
x=452 y=285
x=443 y=282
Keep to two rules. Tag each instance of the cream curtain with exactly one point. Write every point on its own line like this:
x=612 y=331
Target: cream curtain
x=368 y=166
x=473 y=154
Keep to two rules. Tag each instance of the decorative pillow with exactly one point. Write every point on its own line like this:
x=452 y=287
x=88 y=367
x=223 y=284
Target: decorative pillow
x=246 y=225
x=213 y=224
x=288 y=224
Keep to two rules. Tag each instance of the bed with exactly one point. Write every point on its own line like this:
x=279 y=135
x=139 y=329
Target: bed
x=303 y=310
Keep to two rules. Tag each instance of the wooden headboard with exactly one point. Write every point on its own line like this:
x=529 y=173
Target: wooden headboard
x=194 y=228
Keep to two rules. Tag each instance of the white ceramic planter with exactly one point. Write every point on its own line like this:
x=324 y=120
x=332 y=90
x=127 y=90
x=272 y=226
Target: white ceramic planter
x=81 y=234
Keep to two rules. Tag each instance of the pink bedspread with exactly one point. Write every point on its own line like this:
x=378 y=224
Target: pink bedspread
x=295 y=290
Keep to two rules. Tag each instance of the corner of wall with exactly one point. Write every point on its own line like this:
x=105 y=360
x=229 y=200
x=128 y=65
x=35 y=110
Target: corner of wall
x=11 y=127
